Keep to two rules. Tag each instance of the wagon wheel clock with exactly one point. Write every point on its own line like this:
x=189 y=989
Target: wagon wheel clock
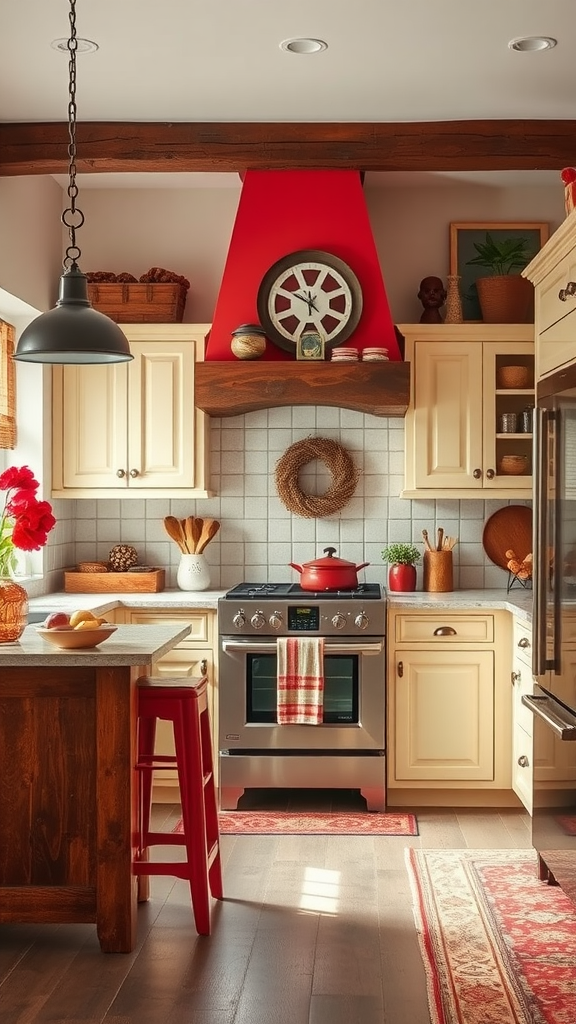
x=309 y=290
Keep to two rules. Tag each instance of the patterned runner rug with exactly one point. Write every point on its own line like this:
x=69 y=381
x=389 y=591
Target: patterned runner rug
x=498 y=945
x=321 y=823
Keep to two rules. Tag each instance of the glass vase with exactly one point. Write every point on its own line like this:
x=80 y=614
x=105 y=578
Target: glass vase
x=193 y=573
x=13 y=610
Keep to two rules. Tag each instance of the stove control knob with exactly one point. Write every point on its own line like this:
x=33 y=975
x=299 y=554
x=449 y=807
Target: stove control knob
x=275 y=620
x=258 y=620
x=239 y=620
x=338 y=621
x=361 y=621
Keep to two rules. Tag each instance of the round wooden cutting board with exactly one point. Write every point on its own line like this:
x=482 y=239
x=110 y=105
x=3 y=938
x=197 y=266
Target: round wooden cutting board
x=509 y=527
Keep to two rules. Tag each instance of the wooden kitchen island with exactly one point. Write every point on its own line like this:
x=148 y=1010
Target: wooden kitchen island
x=68 y=795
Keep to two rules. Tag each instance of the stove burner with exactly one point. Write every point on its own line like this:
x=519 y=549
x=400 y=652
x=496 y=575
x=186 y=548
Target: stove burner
x=364 y=591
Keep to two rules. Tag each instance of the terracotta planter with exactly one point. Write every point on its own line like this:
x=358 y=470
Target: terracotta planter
x=402 y=577
x=506 y=300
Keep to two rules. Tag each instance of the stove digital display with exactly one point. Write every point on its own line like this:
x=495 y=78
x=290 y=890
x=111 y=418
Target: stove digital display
x=303 y=618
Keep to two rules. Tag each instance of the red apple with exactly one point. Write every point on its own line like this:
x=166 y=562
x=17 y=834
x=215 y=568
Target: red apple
x=57 y=620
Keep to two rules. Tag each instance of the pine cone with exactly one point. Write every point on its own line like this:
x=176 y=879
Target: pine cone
x=162 y=276
x=122 y=557
x=94 y=276
x=126 y=278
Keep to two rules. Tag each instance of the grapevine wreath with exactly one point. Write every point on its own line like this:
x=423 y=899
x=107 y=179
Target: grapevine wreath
x=342 y=469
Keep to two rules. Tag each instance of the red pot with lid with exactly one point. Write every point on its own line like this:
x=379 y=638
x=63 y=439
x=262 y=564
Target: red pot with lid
x=329 y=573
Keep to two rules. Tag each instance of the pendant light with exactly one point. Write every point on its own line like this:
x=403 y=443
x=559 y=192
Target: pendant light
x=73 y=332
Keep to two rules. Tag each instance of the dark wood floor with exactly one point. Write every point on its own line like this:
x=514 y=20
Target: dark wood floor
x=313 y=930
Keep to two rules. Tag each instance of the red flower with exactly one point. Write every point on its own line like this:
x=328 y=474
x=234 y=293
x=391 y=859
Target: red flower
x=32 y=526
x=25 y=522
x=15 y=478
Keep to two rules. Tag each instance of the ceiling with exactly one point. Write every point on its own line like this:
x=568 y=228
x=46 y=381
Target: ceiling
x=220 y=61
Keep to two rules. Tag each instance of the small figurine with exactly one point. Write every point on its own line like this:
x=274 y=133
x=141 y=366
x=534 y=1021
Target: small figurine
x=432 y=295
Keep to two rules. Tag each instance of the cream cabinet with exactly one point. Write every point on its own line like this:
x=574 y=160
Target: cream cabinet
x=553 y=274
x=449 y=715
x=131 y=430
x=194 y=656
x=455 y=437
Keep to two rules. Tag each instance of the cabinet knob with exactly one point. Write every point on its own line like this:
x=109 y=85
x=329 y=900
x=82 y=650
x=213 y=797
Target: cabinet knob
x=445 y=631
x=490 y=474
x=477 y=474
x=400 y=669
x=524 y=642
x=523 y=761
x=203 y=667
x=566 y=293
x=120 y=473
x=134 y=473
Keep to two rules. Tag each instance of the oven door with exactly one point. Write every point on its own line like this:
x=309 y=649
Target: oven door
x=554 y=788
x=354 y=698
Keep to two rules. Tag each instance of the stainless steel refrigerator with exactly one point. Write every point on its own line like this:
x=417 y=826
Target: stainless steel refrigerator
x=553 y=701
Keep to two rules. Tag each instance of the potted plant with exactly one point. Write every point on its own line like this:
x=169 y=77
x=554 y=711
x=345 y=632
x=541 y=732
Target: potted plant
x=402 y=559
x=505 y=297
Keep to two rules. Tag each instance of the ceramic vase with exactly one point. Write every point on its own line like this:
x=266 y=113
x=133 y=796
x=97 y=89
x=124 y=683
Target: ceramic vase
x=453 y=300
x=402 y=578
x=13 y=610
x=193 y=573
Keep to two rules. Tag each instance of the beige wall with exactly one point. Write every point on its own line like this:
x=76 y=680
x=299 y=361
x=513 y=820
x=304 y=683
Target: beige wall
x=31 y=251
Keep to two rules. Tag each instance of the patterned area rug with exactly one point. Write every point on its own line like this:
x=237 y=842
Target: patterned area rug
x=322 y=823
x=498 y=945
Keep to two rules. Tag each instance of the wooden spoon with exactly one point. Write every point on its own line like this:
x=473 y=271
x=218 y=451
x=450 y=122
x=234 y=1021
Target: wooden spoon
x=191 y=535
x=209 y=530
x=174 y=530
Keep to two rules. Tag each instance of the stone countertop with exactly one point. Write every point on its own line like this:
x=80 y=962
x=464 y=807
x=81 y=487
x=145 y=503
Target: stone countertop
x=167 y=600
x=518 y=602
x=129 y=645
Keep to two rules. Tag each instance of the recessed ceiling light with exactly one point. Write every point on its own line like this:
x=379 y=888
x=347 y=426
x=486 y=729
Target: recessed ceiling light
x=303 y=45
x=83 y=45
x=528 y=44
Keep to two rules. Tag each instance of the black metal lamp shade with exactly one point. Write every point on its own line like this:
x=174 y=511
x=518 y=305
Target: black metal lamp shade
x=73 y=332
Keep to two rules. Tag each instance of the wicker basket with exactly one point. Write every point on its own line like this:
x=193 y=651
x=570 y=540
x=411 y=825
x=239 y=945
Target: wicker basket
x=92 y=567
x=513 y=377
x=513 y=465
x=153 y=303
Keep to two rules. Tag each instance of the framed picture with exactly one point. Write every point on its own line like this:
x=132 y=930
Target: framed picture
x=463 y=239
x=311 y=344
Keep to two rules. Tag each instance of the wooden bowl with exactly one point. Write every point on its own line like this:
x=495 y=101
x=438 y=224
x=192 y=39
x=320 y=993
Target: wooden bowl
x=513 y=465
x=74 y=639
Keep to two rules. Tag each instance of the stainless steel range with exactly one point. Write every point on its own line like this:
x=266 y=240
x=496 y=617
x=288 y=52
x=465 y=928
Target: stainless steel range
x=347 y=749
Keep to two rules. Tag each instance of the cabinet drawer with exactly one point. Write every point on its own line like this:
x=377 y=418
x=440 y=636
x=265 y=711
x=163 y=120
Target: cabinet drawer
x=200 y=623
x=522 y=642
x=425 y=628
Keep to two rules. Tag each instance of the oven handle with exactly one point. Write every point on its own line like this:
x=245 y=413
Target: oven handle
x=249 y=647
x=562 y=723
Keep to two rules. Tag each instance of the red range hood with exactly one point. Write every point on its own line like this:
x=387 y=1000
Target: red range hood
x=282 y=212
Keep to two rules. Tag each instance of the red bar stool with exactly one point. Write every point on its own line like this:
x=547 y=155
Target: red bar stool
x=184 y=702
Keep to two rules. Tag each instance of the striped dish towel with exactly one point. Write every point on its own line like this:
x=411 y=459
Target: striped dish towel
x=300 y=684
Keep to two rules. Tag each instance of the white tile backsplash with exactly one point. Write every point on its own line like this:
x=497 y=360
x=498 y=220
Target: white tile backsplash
x=259 y=536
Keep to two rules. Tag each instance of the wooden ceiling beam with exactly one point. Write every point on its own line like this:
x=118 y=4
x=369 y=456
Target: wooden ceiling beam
x=105 y=147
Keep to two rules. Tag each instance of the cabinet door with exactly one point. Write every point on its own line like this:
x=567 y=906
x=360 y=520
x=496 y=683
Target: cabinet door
x=161 y=415
x=448 y=414
x=90 y=407
x=444 y=726
x=497 y=443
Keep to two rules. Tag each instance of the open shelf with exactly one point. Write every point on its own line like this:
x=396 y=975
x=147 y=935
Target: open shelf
x=227 y=388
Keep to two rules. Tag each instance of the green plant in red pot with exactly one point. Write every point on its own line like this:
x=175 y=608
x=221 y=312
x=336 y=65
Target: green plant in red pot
x=402 y=559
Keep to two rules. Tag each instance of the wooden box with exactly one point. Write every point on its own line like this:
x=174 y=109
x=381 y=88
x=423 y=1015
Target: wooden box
x=153 y=303
x=114 y=582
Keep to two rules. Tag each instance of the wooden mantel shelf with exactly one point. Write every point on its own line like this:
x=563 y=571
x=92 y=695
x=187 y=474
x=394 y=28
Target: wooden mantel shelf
x=231 y=388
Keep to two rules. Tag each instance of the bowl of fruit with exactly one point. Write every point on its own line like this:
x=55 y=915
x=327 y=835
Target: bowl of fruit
x=81 y=629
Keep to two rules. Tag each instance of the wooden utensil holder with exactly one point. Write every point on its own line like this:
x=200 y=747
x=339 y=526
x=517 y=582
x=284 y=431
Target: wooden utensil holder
x=438 y=572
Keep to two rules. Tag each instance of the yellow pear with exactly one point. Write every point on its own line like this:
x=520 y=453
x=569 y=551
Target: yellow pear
x=81 y=616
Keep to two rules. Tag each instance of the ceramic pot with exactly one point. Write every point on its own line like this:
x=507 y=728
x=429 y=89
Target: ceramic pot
x=13 y=610
x=193 y=573
x=248 y=341
x=402 y=577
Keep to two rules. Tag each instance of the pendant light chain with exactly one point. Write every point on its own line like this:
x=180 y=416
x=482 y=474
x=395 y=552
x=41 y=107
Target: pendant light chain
x=72 y=217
